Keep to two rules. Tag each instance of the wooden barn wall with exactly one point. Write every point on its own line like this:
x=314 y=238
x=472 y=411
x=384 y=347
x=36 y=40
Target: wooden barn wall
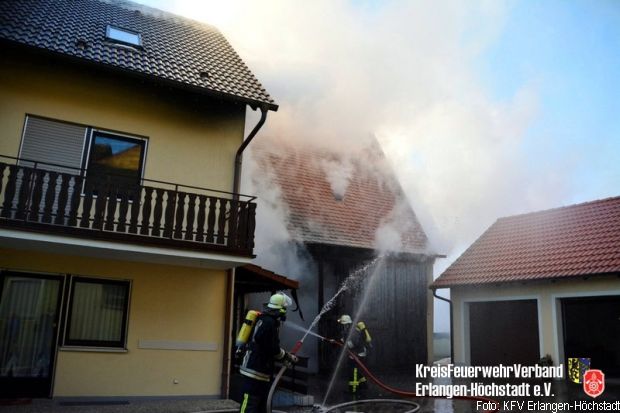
x=395 y=311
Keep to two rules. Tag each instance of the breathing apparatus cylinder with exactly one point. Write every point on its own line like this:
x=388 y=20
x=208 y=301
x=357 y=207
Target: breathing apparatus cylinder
x=362 y=328
x=246 y=329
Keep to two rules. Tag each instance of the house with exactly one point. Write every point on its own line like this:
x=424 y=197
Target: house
x=543 y=283
x=120 y=218
x=341 y=210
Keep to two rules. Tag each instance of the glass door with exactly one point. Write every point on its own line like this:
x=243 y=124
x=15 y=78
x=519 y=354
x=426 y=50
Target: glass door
x=29 y=308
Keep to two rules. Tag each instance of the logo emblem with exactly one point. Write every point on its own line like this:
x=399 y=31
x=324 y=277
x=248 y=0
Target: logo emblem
x=594 y=383
x=577 y=368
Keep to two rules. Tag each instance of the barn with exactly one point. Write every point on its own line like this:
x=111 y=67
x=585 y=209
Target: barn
x=342 y=211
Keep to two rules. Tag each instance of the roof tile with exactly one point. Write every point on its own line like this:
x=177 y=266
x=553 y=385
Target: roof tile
x=173 y=48
x=372 y=198
x=576 y=240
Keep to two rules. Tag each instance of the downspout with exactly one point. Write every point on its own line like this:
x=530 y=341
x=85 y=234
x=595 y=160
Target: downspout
x=230 y=276
x=246 y=142
x=451 y=324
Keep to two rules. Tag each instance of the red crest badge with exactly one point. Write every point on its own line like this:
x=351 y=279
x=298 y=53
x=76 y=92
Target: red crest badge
x=594 y=383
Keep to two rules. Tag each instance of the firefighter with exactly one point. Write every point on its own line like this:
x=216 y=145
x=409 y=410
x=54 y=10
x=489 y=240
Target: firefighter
x=357 y=340
x=263 y=350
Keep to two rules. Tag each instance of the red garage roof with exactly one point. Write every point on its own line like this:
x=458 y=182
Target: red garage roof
x=576 y=240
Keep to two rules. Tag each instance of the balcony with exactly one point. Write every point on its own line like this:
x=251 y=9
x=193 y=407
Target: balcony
x=57 y=199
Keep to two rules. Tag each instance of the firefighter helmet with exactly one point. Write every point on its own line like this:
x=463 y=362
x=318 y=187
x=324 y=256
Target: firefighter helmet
x=279 y=301
x=345 y=319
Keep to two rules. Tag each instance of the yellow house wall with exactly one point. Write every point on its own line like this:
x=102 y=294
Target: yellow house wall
x=191 y=140
x=167 y=303
x=547 y=294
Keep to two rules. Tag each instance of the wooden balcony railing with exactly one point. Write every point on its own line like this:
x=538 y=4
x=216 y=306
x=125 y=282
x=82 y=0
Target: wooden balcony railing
x=55 y=198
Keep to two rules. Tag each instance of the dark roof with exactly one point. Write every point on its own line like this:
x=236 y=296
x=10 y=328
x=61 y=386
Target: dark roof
x=573 y=241
x=174 y=49
x=372 y=199
x=252 y=278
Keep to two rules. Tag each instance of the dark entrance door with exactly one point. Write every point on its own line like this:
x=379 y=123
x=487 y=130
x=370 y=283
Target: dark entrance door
x=29 y=308
x=504 y=332
x=592 y=329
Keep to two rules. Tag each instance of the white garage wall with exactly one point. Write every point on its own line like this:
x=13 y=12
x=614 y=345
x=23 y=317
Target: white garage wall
x=547 y=294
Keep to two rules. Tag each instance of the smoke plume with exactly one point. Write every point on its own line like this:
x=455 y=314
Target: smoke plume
x=406 y=73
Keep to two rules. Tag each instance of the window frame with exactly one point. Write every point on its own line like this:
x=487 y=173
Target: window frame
x=92 y=133
x=86 y=144
x=109 y=37
x=120 y=344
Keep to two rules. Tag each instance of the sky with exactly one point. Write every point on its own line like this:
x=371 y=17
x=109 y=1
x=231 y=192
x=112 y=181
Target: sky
x=484 y=108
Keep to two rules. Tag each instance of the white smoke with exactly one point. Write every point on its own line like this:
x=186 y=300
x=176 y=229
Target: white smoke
x=275 y=248
x=406 y=72
x=338 y=174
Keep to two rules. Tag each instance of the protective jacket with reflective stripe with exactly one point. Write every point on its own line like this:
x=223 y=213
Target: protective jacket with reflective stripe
x=263 y=349
x=356 y=340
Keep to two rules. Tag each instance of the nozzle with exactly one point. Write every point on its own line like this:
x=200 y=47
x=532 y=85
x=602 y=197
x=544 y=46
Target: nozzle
x=318 y=408
x=332 y=341
x=297 y=346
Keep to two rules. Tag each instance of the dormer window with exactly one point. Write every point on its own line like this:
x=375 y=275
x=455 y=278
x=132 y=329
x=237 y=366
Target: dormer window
x=123 y=36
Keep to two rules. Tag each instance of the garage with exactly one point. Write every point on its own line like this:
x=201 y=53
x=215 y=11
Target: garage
x=591 y=327
x=504 y=332
x=557 y=267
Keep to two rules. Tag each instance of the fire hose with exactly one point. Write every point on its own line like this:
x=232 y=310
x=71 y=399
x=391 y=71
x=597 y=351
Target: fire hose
x=378 y=382
x=403 y=393
x=278 y=377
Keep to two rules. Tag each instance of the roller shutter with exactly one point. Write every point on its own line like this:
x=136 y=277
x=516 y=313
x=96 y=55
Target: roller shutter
x=53 y=142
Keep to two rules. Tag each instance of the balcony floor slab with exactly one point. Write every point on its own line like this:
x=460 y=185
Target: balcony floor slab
x=59 y=244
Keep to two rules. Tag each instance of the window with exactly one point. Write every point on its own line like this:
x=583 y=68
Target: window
x=68 y=147
x=119 y=35
x=97 y=315
x=54 y=144
x=115 y=159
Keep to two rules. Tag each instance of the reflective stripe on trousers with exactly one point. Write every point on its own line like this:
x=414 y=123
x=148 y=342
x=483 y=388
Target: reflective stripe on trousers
x=245 y=402
x=355 y=382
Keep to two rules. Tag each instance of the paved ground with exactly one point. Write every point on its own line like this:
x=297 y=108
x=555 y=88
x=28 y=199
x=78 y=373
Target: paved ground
x=562 y=390
x=151 y=406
